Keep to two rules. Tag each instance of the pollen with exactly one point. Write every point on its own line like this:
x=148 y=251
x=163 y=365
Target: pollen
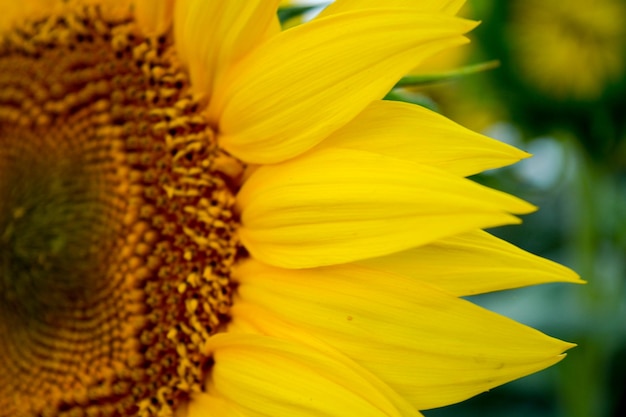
x=117 y=232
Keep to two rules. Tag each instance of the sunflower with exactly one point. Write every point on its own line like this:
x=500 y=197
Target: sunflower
x=201 y=214
x=547 y=38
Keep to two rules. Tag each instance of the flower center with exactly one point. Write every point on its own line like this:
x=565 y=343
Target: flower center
x=116 y=227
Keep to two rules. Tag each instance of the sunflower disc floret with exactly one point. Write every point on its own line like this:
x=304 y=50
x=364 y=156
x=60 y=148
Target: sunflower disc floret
x=116 y=228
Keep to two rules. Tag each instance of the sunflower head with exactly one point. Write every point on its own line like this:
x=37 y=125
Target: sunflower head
x=183 y=231
x=116 y=223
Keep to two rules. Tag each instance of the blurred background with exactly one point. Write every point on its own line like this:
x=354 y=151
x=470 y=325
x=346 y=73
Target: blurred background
x=559 y=92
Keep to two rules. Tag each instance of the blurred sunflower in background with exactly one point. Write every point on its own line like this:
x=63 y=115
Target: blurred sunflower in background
x=569 y=49
x=562 y=69
x=203 y=214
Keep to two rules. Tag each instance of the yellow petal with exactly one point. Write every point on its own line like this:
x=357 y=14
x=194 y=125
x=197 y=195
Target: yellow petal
x=417 y=134
x=211 y=35
x=425 y=6
x=340 y=205
x=433 y=348
x=301 y=85
x=206 y=405
x=452 y=6
x=473 y=263
x=154 y=16
x=265 y=376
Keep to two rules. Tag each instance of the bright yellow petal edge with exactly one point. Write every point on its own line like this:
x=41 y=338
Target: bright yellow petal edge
x=357 y=229
x=430 y=346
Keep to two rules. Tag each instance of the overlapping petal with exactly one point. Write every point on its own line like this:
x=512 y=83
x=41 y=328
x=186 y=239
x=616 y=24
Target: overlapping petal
x=430 y=346
x=256 y=375
x=212 y=35
x=417 y=134
x=473 y=263
x=340 y=205
x=154 y=16
x=303 y=84
x=452 y=6
x=206 y=405
x=428 y=6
